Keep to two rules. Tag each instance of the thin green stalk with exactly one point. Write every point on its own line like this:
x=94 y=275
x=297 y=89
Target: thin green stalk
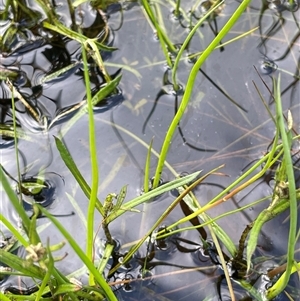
x=185 y=43
x=106 y=256
x=157 y=27
x=177 y=9
x=14 y=200
x=160 y=20
x=189 y=87
x=94 y=164
x=16 y=144
x=16 y=232
x=149 y=234
x=83 y=257
x=147 y=168
x=50 y=267
x=151 y=194
x=67 y=158
x=277 y=289
x=223 y=262
x=210 y=221
x=219 y=196
x=4 y=298
x=164 y=49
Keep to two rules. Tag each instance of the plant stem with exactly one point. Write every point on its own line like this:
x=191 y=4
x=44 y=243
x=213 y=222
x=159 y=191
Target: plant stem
x=277 y=289
x=94 y=164
x=189 y=88
x=186 y=42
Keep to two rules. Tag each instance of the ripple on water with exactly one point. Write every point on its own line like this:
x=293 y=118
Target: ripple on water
x=7 y=134
x=45 y=191
x=165 y=247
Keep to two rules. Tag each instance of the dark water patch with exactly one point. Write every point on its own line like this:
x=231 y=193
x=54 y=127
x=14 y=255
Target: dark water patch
x=164 y=247
x=41 y=190
x=42 y=58
x=200 y=256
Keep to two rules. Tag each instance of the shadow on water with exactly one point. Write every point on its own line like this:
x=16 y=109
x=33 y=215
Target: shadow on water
x=225 y=122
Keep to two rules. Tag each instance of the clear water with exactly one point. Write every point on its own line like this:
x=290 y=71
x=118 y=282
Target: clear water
x=144 y=109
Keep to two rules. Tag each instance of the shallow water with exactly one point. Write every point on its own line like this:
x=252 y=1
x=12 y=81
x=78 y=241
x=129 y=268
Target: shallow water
x=213 y=131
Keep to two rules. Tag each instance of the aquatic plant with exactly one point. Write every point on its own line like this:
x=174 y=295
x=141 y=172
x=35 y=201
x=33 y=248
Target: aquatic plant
x=39 y=263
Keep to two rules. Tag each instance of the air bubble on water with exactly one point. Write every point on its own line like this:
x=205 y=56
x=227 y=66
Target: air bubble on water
x=146 y=276
x=169 y=89
x=267 y=67
x=205 y=6
x=292 y=6
x=41 y=191
x=281 y=5
x=165 y=247
x=174 y=17
x=127 y=286
x=155 y=36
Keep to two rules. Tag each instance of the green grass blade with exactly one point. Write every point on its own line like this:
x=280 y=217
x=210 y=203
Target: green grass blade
x=106 y=90
x=151 y=194
x=105 y=258
x=94 y=166
x=251 y=290
x=151 y=16
x=65 y=289
x=15 y=201
x=67 y=158
x=147 y=167
x=262 y=218
x=16 y=142
x=61 y=29
x=98 y=277
x=21 y=265
x=121 y=197
x=156 y=224
x=189 y=87
x=3 y=297
x=281 y=282
x=15 y=232
x=186 y=42
x=279 y=286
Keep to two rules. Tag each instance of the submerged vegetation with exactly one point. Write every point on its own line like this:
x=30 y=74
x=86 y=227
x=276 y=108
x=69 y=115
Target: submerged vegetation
x=25 y=254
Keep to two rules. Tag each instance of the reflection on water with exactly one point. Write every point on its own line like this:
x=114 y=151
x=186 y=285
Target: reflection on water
x=225 y=122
